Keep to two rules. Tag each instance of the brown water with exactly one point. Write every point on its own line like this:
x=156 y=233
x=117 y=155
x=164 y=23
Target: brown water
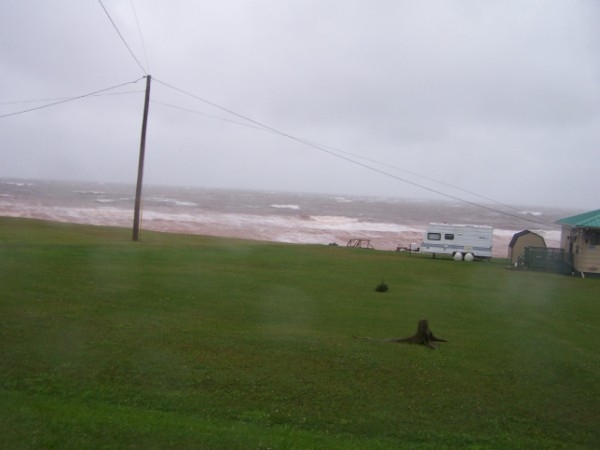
x=271 y=216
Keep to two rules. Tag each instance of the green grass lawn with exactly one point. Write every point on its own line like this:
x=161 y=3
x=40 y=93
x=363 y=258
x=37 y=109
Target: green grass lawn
x=198 y=342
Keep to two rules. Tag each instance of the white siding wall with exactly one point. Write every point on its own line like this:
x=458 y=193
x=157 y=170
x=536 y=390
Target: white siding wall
x=586 y=257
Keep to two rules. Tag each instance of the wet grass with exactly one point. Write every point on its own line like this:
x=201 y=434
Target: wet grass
x=190 y=341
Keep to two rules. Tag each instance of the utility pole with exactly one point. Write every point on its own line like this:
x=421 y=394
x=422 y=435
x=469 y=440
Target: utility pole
x=138 y=189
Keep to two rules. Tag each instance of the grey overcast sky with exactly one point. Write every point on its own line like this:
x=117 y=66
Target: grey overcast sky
x=501 y=98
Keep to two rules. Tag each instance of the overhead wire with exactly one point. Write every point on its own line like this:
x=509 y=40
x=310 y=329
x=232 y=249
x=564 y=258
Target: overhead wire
x=425 y=177
x=210 y=116
x=68 y=99
x=215 y=105
x=139 y=28
x=338 y=155
x=39 y=100
x=122 y=38
x=235 y=122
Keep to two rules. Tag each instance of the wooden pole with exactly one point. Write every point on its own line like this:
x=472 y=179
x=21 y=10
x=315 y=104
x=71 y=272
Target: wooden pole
x=138 y=189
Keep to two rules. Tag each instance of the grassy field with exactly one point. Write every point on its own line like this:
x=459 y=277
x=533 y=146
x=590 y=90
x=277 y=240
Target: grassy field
x=197 y=342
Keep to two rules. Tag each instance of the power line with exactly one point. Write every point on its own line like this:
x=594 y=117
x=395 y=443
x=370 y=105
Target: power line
x=122 y=38
x=69 y=99
x=210 y=116
x=137 y=22
x=235 y=122
x=325 y=149
x=39 y=100
x=208 y=102
x=425 y=177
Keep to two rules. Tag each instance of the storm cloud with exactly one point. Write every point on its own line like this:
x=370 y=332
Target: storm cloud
x=501 y=99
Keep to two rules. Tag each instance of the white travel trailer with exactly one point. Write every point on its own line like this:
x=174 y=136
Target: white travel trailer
x=460 y=241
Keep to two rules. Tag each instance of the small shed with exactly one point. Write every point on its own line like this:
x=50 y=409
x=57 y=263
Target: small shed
x=580 y=240
x=520 y=240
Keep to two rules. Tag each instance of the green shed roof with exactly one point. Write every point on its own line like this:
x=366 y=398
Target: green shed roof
x=589 y=219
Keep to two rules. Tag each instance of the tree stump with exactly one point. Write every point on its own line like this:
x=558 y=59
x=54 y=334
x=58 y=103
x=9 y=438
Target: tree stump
x=423 y=336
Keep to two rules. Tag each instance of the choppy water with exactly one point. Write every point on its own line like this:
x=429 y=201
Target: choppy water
x=272 y=216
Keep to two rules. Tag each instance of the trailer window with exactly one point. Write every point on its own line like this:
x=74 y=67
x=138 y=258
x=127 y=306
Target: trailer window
x=449 y=237
x=434 y=236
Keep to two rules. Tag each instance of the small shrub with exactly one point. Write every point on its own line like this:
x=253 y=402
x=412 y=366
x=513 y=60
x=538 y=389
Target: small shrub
x=381 y=287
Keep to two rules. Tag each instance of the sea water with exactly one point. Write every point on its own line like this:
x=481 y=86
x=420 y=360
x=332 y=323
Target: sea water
x=387 y=222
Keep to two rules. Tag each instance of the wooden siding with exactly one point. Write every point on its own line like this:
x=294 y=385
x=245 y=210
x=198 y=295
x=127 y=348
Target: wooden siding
x=586 y=256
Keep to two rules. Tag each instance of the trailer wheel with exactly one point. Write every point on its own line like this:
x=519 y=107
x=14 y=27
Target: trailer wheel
x=469 y=257
x=458 y=256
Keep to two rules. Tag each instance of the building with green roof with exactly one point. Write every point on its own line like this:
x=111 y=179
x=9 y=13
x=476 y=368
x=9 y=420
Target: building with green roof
x=580 y=239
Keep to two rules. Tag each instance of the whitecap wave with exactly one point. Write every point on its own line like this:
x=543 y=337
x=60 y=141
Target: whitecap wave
x=16 y=183
x=296 y=207
x=90 y=192
x=169 y=201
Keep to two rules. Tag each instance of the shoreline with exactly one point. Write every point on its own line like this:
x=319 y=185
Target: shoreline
x=265 y=216
x=259 y=228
